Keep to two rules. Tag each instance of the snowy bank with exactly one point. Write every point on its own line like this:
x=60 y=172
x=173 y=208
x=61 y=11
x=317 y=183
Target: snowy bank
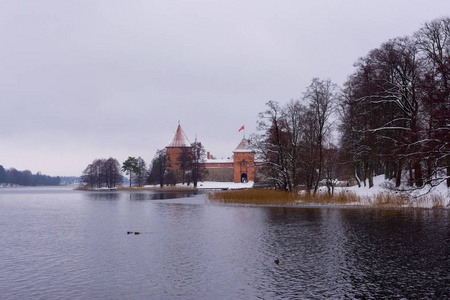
x=213 y=185
x=208 y=185
x=425 y=197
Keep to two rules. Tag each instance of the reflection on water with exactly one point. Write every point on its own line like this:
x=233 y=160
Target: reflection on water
x=74 y=245
x=162 y=195
x=362 y=253
x=103 y=196
x=139 y=196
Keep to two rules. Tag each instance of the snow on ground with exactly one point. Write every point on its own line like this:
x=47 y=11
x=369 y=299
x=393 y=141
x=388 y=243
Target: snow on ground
x=366 y=194
x=5 y=185
x=420 y=198
x=224 y=185
x=379 y=184
x=213 y=185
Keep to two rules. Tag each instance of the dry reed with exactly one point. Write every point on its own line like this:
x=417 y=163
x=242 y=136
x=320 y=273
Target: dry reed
x=255 y=196
x=343 y=198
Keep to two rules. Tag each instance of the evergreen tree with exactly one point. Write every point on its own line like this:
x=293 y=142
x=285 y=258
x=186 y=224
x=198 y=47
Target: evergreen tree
x=130 y=166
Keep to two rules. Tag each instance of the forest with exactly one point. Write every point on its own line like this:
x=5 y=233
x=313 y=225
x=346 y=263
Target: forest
x=108 y=172
x=391 y=117
x=12 y=176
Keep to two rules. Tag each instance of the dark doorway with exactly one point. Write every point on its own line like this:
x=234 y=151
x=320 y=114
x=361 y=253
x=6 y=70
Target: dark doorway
x=244 y=178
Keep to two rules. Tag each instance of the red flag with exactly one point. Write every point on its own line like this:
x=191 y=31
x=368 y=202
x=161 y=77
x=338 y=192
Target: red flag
x=242 y=128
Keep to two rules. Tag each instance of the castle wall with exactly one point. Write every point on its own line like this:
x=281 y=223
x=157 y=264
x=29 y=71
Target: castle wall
x=244 y=162
x=242 y=168
x=172 y=155
x=219 y=174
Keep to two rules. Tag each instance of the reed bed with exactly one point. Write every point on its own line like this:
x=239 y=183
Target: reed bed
x=83 y=188
x=255 y=196
x=343 y=198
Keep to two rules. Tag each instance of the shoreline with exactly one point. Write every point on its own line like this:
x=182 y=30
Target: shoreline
x=344 y=197
x=341 y=199
x=333 y=206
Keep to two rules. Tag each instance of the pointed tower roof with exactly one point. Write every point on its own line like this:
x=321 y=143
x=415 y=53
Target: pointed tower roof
x=180 y=139
x=244 y=146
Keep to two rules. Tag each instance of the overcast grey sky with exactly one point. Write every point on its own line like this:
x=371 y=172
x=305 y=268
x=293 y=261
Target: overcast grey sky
x=90 y=79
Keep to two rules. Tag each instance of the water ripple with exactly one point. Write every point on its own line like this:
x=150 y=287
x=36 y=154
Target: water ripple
x=74 y=246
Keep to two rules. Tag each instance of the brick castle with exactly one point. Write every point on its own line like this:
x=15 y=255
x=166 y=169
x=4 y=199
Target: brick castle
x=239 y=168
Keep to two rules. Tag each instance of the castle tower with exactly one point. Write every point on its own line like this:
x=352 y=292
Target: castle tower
x=244 y=162
x=175 y=148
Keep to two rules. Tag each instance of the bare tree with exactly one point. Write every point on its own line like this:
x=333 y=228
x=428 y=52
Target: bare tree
x=102 y=173
x=198 y=155
x=92 y=176
x=111 y=173
x=185 y=162
x=396 y=109
x=290 y=142
x=157 y=170
x=433 y=42
x=272 y=144
x=321 y=96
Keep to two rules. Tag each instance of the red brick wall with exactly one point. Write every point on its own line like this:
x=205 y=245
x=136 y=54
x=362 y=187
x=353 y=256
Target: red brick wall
x=244 y=162
x=172 y=155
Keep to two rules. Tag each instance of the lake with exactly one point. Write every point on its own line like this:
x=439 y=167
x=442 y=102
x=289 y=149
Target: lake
x=56 y=243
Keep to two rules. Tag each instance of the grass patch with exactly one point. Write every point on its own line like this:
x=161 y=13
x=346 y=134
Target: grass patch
x=83 y=188
x=433 y=201
x=275 y=197
x=255 y=196
x=386 y=199
x=341 y=198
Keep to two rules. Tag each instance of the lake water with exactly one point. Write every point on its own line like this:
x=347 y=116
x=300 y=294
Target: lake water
x=56 y=243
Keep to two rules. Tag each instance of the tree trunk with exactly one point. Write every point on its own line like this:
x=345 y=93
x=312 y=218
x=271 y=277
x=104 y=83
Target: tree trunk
x=398 y=176
x=448 y=172
x=411 y=175
x=418 y=175
x=358 y=181
x=370 y=178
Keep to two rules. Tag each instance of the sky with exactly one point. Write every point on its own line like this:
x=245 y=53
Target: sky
x=87 y=79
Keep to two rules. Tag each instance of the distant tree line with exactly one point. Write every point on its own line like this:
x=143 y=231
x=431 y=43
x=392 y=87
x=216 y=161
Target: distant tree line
x=12 y=176
x=394 y=116
x=108 y=172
